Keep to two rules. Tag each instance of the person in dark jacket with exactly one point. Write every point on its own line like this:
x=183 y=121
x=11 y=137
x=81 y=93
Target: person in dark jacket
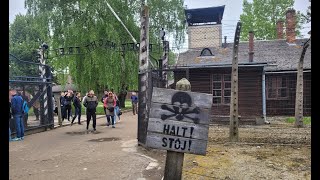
x=91 y=103
x=77 y=107
x=17 y=113
x=68 y=101
x=63 y=109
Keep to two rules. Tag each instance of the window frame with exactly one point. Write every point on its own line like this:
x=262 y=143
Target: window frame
x=223 y=81
x=277 y=86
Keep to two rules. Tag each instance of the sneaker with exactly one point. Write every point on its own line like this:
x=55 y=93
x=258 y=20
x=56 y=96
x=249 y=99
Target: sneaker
x=108 y=124
x=79 y=123
x=113 y=127
x=22 y=138
x=16 y=139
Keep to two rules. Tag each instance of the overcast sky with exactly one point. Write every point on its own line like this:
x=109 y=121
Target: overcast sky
x=233 y=9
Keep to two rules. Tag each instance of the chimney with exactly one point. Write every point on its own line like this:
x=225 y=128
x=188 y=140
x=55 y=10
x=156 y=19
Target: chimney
x=280 y=29
x=251 y=46
x=291 y=26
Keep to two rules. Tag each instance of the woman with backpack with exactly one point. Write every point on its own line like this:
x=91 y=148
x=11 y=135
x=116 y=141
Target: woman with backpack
x=116 y=108
x=110 y=103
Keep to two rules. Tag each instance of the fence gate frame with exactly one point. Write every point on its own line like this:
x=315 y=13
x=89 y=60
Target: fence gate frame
x=44 y=95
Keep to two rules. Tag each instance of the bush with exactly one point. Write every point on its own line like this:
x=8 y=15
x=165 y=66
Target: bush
x=306 y=120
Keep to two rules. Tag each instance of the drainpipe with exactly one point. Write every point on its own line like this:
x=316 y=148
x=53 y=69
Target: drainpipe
x=264 y=109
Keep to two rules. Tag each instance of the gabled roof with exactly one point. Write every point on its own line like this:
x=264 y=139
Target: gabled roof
x=278 y=53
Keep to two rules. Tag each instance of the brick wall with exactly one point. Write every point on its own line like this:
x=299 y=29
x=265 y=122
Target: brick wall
x=205 y=36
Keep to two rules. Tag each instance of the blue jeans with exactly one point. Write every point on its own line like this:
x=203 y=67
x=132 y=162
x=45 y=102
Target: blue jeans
x=116 y=111
x=19 y=125
x=108 y=119
x=77 y=113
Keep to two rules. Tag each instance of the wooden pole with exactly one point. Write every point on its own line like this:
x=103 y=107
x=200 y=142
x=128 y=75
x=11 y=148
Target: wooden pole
x=174 y=160
x=299 y=89
x=234 y=114
x=143 y=76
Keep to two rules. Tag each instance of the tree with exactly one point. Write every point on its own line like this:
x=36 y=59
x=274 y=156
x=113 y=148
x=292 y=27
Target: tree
x=77 y=22
x=261 y=16
x=25 y=36
x=307 y=17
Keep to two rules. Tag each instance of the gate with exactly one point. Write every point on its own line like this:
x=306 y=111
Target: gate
x=33 y=81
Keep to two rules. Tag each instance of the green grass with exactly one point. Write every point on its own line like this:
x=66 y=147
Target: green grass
x=306 y=120
x=100 y=110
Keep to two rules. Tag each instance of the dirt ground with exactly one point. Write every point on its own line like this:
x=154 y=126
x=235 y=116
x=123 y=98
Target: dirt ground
x=275 y=151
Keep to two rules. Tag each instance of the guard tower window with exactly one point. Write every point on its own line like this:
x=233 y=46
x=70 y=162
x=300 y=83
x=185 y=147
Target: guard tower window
x=206 y=52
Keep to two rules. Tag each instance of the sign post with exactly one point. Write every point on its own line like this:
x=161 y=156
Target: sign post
x=178 y=123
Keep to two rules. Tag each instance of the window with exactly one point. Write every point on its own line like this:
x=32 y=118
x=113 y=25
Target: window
x=277 y=87
x=221 y=88
x=206 y=52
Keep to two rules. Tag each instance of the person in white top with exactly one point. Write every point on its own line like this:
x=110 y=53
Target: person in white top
x=85 y=110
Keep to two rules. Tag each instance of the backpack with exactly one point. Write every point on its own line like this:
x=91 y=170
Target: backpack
x=25 y=107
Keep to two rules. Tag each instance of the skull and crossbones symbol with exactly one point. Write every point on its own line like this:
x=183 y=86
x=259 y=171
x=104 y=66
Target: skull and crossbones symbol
x=181 y=102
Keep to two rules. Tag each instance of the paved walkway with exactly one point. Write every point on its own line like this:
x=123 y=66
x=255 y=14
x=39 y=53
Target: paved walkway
x=71 y=152
x=32 y=122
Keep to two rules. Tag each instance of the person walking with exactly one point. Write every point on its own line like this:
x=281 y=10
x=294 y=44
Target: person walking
x=68 y=101
x=77 y=107
x=110 y=104
x=116 y=108
x=17 y=113
x=105 y=96
x=134 y=101
x=85 y=110
x=36 y=107
x=62 y=104
x=91 y=103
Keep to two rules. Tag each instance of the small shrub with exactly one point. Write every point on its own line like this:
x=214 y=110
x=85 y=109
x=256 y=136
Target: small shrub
x=306 y=120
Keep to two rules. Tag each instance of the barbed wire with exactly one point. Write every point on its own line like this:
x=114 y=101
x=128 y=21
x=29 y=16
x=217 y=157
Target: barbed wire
x=230 y=48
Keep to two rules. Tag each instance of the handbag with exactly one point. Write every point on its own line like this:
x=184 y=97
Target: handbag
x=119 y=113
x=111 y=109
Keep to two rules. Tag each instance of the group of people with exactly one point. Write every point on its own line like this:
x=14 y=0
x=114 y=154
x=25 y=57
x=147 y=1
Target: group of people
x=110 y=104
